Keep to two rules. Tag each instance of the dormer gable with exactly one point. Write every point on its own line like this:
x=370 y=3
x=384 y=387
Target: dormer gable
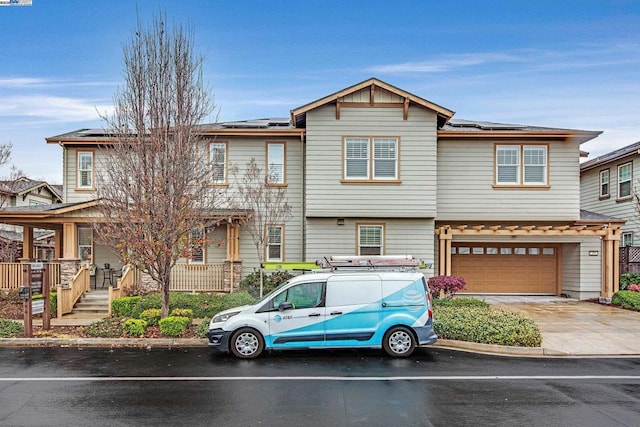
x=371 y=93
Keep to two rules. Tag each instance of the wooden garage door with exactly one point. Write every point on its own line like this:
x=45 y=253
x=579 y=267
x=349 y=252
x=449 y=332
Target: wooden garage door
x=506 y=268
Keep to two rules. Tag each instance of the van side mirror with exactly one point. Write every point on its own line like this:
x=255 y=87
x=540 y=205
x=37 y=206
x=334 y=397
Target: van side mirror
x=285 y=305
x=24 y=292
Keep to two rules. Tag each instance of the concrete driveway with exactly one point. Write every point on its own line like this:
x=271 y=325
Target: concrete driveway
x=572 y=327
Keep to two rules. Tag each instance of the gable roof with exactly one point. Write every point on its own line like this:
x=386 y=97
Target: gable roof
x=612 y=156
x=24 y=185
x=298 y=115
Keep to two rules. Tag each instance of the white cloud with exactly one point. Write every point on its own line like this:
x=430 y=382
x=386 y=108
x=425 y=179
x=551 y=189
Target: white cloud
x=445 y=62
x=56 y=108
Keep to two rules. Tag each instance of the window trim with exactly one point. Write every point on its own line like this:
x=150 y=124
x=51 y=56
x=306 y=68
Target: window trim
x=606 y=195
x=226 y=162
x=630 y=196
x=383 y=235
x=370 y=179
x=521 y=167
x=266 y=243
x=284 y=163
x=622 y=238
x=93 y=170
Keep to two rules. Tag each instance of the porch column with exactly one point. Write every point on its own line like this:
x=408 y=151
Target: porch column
x=444 y=248
x=27 y=243
x=233 y=241
x=70 y=241
x=611 y=268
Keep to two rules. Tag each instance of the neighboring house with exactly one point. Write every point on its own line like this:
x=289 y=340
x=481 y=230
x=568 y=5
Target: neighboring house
x=25 y=192
x=375 y=170
x=608 y=186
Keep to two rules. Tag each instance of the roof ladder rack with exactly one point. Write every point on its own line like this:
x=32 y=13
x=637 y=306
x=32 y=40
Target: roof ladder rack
x=372 y=262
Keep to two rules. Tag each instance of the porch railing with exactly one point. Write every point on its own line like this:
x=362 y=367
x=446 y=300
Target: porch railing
x=70 y=294
x=197 y=278
x=11 y=275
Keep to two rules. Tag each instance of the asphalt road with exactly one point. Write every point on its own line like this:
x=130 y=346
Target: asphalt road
x=162 y=387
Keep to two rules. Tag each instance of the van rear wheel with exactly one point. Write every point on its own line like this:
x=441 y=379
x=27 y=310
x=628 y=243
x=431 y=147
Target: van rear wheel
x=399 y=342
x=246 y=343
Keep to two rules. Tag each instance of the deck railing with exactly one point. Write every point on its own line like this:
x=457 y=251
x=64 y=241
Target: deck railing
x=11 y=275
x=70 y=294
x=197 y=278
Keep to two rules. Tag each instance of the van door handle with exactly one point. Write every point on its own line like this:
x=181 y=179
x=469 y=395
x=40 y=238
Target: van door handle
x=333 y=313
x=314 y=315
x=384 y=304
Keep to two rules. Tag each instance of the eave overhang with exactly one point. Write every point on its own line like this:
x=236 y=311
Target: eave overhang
x=580 y=136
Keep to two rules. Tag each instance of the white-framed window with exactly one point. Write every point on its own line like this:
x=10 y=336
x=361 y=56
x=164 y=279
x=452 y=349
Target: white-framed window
x=626 y=239
x=370 y=158
x=371 y=239
x=625 y=173
x=85 y=169
x=276 y=166
x=521 y=165
x=85 y=244
x=604 y=183
x=218 y=158
x=275 y=239
x=197 y=245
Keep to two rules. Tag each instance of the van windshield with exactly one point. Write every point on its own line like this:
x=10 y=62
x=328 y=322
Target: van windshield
x=277 y=289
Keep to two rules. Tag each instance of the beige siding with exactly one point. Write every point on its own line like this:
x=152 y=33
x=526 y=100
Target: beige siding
x=240 y=151
x=582 y=273
x=466 y=192
x=327 y=196
x=627 y=210
x=325 y=238
x=70 y=194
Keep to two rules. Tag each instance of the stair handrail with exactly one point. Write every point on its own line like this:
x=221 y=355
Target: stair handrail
x=68 y=295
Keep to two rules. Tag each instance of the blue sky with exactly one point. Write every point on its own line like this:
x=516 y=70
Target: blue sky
x=569 y=64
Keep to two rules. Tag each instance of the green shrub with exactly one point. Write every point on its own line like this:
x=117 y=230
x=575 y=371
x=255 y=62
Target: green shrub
x=459 y=302
x=134 y=327
x=627 y=299
x=627 y=279
x=182 y=312
x=10 y=328
x=151 y=316
x=251 y=283
x=202 y=329
x=105 y=328
x=124 y=307
x=486 y=325
x=53 y=303
x=174 y=325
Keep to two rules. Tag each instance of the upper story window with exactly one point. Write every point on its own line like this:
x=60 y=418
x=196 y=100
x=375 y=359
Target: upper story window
x=276 y=165
x=624 y=180
x=371 y=239
x=85 y=169
x=370 y=159
x=604 y=183
x=521 y=165
x=218 y=158
x=275 y=247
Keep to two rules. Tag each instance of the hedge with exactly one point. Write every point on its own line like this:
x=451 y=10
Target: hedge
x=201 y=305
x=134 y=327
x=486 y=325
x=627 y=299
x=459 y=302
x=174 y=325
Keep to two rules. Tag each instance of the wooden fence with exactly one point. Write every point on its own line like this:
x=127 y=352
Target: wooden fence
x=630 y=259
x=197 y=278
x=11 y=275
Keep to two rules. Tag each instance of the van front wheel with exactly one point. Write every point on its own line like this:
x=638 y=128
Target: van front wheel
x=399 y=342
x=246 y=343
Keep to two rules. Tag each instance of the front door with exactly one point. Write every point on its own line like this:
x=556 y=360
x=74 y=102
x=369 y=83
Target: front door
x=302 y=325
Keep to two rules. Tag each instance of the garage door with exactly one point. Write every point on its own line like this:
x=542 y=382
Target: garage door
x=506 y=268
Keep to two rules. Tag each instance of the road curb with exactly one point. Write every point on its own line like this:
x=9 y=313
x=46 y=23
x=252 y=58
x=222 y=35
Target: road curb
x=495 y=349
x=104 y=342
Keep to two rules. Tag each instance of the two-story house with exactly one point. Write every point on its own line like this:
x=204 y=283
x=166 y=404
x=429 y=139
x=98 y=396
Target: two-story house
x=375 y=170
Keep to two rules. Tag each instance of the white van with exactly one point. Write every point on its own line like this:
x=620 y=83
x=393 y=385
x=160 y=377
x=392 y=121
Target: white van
x=368 y=309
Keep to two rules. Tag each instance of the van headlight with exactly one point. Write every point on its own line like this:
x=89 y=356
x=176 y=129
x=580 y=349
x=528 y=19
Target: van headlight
x=224 y=317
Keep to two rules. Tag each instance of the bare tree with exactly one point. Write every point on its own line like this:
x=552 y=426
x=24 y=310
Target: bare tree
x=267 y=204
x=9 y=248
x=154 y=178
